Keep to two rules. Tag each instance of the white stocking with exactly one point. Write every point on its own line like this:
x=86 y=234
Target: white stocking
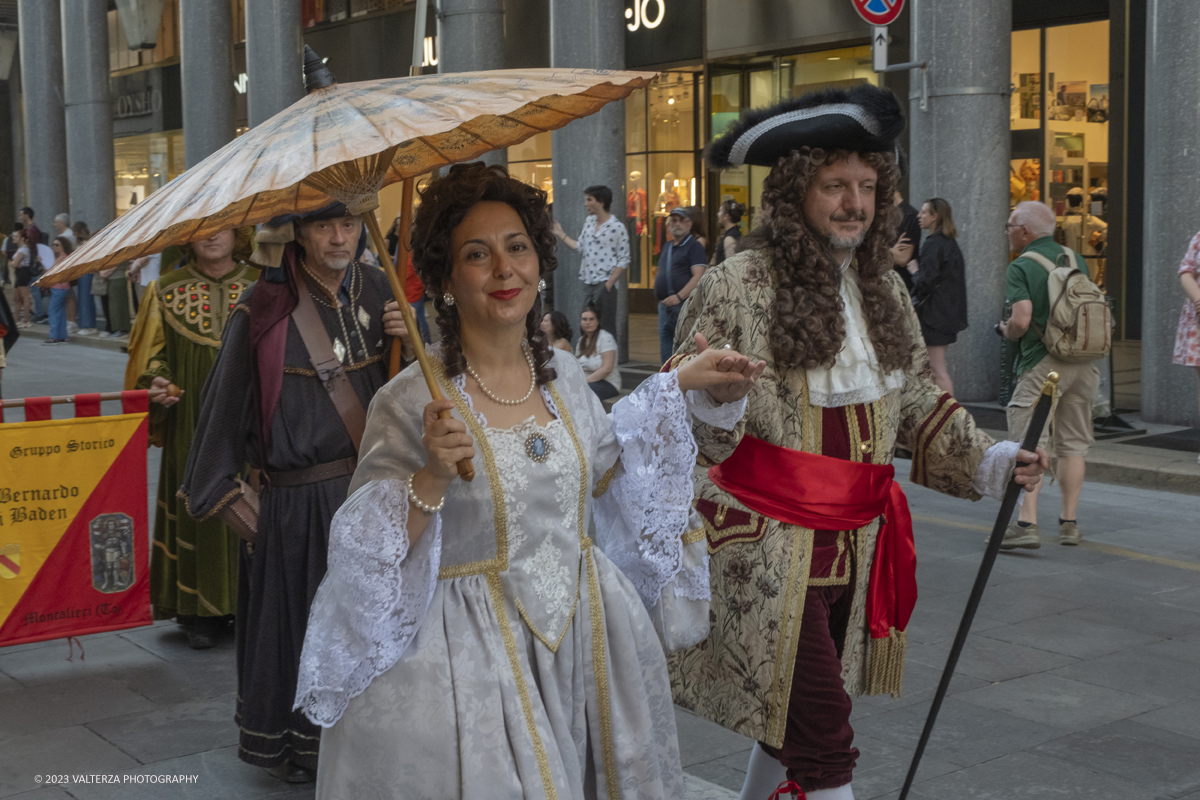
x=842 y=792
x=763 y=775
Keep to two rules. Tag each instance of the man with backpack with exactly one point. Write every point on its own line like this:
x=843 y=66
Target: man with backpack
x=1064 y=325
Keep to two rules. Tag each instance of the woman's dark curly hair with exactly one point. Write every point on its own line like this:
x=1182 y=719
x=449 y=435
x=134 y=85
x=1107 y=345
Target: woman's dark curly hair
x=807 y=328
x=444 y=204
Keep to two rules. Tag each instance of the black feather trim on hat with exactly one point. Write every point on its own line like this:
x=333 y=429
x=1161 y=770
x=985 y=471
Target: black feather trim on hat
x=862 y=119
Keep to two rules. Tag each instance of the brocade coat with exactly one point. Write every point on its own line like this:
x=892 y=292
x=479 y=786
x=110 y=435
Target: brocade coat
x=761 y=568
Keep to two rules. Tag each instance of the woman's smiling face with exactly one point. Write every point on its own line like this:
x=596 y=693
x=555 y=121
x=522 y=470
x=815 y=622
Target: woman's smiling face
x=496 y=270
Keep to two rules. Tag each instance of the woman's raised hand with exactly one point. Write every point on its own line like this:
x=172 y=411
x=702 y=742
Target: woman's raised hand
x=446 y=443
x=726 y=375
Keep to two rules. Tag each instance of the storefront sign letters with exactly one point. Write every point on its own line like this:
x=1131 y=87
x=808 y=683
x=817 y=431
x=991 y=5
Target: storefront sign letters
x=878 y=12
x=138 y=104
x=640 y=14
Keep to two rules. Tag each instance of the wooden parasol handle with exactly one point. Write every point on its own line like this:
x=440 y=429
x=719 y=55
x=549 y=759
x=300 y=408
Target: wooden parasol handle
x=402 y=251
x=171 y=390
x=465 y=469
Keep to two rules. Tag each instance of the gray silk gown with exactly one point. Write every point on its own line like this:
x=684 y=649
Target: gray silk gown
x=517 y=651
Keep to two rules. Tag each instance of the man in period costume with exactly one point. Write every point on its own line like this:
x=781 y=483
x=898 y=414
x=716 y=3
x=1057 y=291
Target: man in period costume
x=303 y=354
x=811 y=594
x=193 y=566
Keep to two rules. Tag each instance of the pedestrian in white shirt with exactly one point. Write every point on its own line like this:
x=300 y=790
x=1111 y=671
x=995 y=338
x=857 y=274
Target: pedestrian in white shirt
x=604 y=245
x=597 y=356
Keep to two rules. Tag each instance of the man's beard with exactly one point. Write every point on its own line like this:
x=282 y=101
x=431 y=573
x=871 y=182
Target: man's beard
x=844 y=243
x=338 y=264
x=852 y=242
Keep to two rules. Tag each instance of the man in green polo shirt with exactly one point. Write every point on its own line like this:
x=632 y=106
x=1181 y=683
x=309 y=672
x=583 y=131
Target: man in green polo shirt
x=1031 y=231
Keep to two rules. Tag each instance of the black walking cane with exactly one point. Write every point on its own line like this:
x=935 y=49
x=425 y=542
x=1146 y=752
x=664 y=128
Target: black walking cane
x=1041 y=413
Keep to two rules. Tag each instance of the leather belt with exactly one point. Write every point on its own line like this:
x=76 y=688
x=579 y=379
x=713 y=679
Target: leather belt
x=315 y=474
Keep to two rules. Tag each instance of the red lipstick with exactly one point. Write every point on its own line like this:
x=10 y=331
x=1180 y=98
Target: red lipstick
x=505 y=294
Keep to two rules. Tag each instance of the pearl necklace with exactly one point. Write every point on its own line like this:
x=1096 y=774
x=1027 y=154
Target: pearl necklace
x=493 y=398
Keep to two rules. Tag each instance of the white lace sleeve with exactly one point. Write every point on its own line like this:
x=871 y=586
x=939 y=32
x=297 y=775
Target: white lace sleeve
x=372 y=601
x=991 y=479
x=719 y=415
x=642 y=516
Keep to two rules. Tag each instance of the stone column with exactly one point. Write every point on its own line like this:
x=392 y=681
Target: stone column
x=471 y=39
x=588 y=151
x=17 y=125
x=206 y=77
x=90 y=171
x=274 y=57
x=960 y=152
x=45 y=137
x=1172 y=202
x=8 y=174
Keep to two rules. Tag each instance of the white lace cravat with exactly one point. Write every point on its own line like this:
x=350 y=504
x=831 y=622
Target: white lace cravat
x=856 y=376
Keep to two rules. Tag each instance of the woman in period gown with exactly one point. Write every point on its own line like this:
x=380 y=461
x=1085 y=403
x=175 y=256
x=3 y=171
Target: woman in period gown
x=510 y=644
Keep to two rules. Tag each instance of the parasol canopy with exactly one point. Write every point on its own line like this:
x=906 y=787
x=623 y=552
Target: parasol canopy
x=345 y=142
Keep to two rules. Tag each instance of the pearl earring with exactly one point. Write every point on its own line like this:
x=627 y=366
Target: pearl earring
x=542 y=285
x=448 y=299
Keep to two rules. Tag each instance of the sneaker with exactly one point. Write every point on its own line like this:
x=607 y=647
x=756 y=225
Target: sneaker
x=104 y=335
x=1068 y=534
x=1027 y=538
x=72 y=328
x=87 y=331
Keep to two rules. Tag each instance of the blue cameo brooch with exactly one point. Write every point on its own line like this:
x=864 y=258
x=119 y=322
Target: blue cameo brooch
x=537 y=447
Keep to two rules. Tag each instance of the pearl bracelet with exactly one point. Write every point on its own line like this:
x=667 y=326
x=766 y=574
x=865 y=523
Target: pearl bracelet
x=416 y=501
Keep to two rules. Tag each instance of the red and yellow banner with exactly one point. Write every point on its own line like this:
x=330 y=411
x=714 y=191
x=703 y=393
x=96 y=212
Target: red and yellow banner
x=74 y=539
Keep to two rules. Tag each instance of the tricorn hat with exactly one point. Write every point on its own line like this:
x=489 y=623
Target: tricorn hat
x=864 y=119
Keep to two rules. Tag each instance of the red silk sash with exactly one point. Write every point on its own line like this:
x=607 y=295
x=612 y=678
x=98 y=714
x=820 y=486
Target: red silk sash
x=831 y=494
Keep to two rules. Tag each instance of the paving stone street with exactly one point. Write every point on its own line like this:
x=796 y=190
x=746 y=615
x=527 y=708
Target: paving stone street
x=1081 y=679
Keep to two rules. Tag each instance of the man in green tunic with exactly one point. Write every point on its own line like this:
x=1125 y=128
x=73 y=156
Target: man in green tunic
x=193 y=565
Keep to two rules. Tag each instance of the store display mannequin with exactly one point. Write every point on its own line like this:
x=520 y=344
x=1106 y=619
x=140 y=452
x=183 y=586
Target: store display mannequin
x=667 y=199
x=636 y=208
x=1080 y=227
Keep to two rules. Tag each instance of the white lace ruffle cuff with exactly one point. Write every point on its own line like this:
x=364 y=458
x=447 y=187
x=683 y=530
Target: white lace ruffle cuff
x=991 y=479
x=719 y=415
x=371 y=602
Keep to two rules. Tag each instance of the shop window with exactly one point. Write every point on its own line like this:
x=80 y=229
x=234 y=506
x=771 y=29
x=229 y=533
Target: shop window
x=530 y=161
x=1076 y=76
x=1059 y=123
x=1025 y=118
x=671 y=108
x=826 y=69
x=662 y=157
x=635 y=122
x=637 y=218
x=145 y=163
x=726 y=101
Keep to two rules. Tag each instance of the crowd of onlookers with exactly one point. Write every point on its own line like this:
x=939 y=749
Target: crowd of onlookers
x=101 y=304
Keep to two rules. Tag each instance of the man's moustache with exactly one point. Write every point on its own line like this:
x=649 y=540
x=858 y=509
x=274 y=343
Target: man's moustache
x=860 y=217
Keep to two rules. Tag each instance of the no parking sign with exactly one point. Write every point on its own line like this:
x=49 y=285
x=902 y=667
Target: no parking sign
x=879 y=12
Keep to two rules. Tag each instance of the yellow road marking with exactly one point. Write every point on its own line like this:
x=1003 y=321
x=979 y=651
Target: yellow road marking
x=1111 y=549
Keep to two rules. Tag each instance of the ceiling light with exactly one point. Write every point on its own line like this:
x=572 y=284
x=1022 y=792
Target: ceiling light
x=834 y=58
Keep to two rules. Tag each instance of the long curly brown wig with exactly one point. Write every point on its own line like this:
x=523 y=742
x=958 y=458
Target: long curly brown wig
x=807 y=328
x=444 y=204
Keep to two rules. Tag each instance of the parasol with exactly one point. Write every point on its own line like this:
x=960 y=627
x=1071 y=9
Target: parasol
x=345 y=142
